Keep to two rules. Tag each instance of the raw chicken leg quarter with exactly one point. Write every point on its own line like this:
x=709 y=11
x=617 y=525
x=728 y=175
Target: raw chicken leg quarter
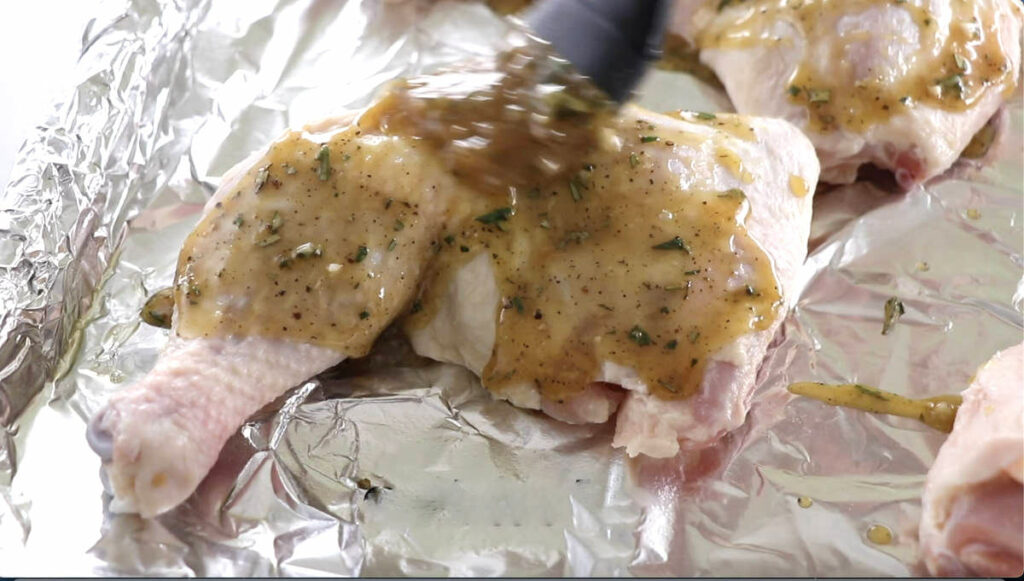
x=903 y=85
x=644 y=271
x=973 y=505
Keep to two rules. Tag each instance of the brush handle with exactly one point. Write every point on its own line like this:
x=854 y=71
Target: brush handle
x=610 y=41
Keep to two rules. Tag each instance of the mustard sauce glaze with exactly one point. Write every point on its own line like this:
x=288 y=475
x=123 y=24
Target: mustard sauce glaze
x=957 y=62
x=936 y=412
x=318 y=243
x=601 y=250
x=879 y=534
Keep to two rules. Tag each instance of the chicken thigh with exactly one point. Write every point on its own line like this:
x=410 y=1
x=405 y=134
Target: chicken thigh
x=559 y=249
x=901 y=85
x=695 y=157
x=973 y=518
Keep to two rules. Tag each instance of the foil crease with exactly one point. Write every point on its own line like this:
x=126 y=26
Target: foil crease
x=395 y=465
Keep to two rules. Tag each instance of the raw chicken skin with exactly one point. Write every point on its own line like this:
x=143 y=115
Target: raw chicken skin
x=163 y=434
x=883 y=87
x=463 y=329
x=973 y=517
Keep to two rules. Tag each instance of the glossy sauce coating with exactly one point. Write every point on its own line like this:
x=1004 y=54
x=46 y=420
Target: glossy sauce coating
x=602 y=252
x=953 y=66
x=322 y=243
x=879 y=534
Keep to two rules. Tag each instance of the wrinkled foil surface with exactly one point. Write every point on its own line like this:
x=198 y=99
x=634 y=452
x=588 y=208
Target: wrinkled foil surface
x=398 y=466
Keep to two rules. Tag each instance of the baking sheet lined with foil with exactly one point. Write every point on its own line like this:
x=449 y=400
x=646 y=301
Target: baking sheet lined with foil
x=395 y=465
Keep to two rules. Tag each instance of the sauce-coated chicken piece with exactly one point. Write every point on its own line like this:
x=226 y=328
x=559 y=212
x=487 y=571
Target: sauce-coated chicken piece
x=902 y=85
x=596 y=251
x=973 y=517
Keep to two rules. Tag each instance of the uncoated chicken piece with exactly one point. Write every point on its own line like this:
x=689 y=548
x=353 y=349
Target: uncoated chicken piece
x=901 y=85
x=973 y=505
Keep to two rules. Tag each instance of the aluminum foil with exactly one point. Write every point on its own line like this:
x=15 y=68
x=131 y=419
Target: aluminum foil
x=398 y=466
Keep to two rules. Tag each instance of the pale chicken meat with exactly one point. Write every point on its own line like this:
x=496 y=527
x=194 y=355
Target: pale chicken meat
x=903 y=86
x=973 y=505
x=575 y=258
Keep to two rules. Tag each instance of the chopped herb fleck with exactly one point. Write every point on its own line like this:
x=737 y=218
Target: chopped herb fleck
x=605 y=307
x=361 y=254
x=276 y=221
x=238 y=221
x=749 y=290
x=495 y=216
x=692 y=272
x=269 y=240
x=417 y=306
x=517 y=302
x=819 y=95
x=575 y=185
x=893 y=311
x=953 y=84
x=577 y=236
x=693 y=336
x=449 y=239
x=664 y=310
x=634 y=160
x=392 y=244
x=323 y=172
x=961 y=62
x=364 y=315
x=705 y=116
x=262 y=175
x=671 y=344
x=649 y=138
x=464 y=248
x=869 y=391
x=733 y=193
x=308 y=250
x=794 y=90
x=675 y=243
x=639 y=336
x=399 y=225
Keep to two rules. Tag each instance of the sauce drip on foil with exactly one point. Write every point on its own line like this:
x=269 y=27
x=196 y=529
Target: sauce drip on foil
x=603 y=250
x=937 y=412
